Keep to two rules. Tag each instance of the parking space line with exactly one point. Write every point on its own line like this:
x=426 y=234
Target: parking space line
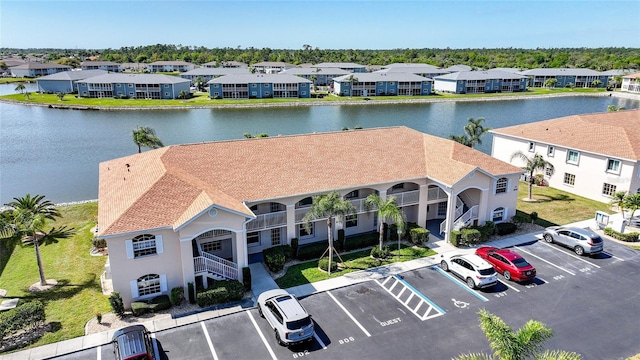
x=414 y=292
x=155 y=346
x=548 y=262
x=100 y=352
x=206 y=335
x=264 y=340
x=541 y=279
x=349 y=314
x=459 y=283
x=315 y=335
x=613 y=256
x=573 y=256
x=509 y=286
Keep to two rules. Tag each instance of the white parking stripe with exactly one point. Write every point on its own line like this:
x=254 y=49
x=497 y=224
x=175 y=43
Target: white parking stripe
x=505 y=283
x=264 y=340
x=615 y=257
x=541 y=279
x=315 y=335
x=574 y=256
x=155 y=346
x=99 y=352
x=206 y=335
x=349 y=315
x=548 y=262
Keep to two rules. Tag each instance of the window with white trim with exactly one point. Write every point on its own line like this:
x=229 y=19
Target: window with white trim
x=253 y=238
x=573 y=157
x=532 y=146
x=613 y=166
x=569 y=179
x=351 y=220
x=275 y=237
x=212 y=246
x=550 y=151
x=442 y=209
x=149 y=284
x=143 y=245
x=302 y=232
x=497 y=215
x=608 y=189
x=501 y=185
x=548 y=171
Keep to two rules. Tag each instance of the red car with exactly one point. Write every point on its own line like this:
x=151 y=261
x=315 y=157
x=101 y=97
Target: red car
x=508 y=263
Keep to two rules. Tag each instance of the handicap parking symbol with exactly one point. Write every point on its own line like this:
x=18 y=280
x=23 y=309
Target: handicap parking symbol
x=460 y=304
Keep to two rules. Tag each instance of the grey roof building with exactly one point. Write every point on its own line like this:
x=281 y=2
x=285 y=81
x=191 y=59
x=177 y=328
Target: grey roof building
x=34 y=69
x=456 y=68
x=427 y=71
x=566 y=77
x=259 y=86
x=65 y=81
x=381 y=84
x=140 y=86
x=208 y=73
x=474 y=82
x=352 y=67
x=321 y=76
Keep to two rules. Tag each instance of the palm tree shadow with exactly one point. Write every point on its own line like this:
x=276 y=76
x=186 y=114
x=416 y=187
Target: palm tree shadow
x=551 y=198
x=64 y=290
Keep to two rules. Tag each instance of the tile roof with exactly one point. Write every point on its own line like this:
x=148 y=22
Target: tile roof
x=632 y=76
x=165 y=188
x=611 y=133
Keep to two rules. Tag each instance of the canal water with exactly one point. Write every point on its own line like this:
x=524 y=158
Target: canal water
x=56 y=152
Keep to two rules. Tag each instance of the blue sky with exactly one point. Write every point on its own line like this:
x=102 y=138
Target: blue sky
x=346 y=24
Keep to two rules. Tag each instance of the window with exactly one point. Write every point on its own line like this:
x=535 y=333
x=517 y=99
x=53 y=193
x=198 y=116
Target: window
x=266 y=85
x=275 y=237
x=117 y=85
x=351 y=221
x=166 y=86
x=166 y=94
x=254 y=85
x=501 y=185
x=212 y=246
x=531 y=146
x=442 y=209
x=148 y=284
x=398 y=186
x=548 y=171
x=302 y=232
x=352 y=195
x=573 y=157
x=276 y=207
x=613 y=166
x=550 y=151
x=143 y=245
x=253 y=238
x=498 y=215
x=608 y=189
x=569 y=179
x=305 y=202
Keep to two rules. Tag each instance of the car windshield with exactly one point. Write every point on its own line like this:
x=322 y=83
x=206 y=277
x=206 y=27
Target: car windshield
x=520 y=263
x=299 y=324
x=489 y=271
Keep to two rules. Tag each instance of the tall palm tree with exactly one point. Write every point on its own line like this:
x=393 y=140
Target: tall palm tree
x=328 y=206
x=526 y=343
x=532 y=164
x=475 y=130
x=618 y=200
x=146 y=136
x=632 y=202
x=351 y=80
x=462 y=139
x=387 y=211
x=20 y=88
x=29 y=216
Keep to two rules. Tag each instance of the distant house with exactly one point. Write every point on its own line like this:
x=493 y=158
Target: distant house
x=350 y=67
x=381 y=84
x=424 y=70
x=480 y=82
x=259 y=86
x=319 y=76
x=170 y=66
x=631 y=83
x=208 y=73
x=65 y=82
x=271 y=67
x=134 y=67
x=101 y=65
x=225 y=64
x=580 y=78
x=456 y=68
x=139 y=86
x=34 y=69
x=593 y=155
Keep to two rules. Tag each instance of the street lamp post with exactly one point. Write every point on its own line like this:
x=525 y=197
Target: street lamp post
x=399 y=235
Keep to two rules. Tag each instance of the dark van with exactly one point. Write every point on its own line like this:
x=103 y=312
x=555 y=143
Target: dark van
x=133 y=343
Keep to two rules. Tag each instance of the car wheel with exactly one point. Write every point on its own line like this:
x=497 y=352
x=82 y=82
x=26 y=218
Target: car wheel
x=548 y=238
x=507 y=275
x=280 y=342
x=471 y=283
x=260 y=311
x=579 y=250
x=444 y=266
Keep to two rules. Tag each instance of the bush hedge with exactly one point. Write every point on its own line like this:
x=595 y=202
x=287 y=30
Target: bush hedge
x=312 y=251
x=324 y=264
x=376 y=253
x=294 y=248
x=139 y=308
x=246 y=278
x=506 y=228
x=191 y=291
x=159 y=303
x=520 y=218
x=221 y=291
x=455 y=238
x=177 y=294
x=361 y=241
x=626 y=237
x=419 y=235
x=470 y=236
x=27 y=315
x=115 y=300
x=276 y=256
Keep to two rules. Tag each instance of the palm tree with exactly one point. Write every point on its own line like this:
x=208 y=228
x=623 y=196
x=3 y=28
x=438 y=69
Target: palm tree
x=551 y=82
x=29 y=216
x=387 y=211
x=536 y=162
x=328 y=206
x=20 y=88
x=475 y=130
x=351 y=80
x=526 y=343
x=60 y=95
x=146 y=136
x=632 y=202
x=613 y=108
x=462 y=139
x=618 y=200
x=596 y=83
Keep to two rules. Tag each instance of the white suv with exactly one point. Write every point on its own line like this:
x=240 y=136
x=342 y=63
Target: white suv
x=290 y=321
x=474 y=270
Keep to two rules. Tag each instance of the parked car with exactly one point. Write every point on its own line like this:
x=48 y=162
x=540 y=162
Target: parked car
x=133 y=343
x=580 y=240
x=508 y=263
x=476 y=272
x=290 y=321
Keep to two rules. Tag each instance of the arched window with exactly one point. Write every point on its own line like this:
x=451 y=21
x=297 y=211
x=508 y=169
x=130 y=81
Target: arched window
x=144 y=245
x=149 y=284
x=501 y=185
x=497 y=215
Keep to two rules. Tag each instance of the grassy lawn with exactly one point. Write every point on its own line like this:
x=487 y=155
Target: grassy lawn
x=308 y=272
x=10 y=80
x=78 y=295
x=556 y=207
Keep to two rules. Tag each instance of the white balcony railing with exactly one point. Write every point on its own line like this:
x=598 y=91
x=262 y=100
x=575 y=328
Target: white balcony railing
x=268 y=220
x=436 y=193
x=211 y=264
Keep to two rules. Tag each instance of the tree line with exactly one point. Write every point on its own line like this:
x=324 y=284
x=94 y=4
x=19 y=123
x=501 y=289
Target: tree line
x=600 y=59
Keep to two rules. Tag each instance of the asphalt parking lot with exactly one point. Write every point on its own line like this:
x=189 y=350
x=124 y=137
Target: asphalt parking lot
x=591 y=303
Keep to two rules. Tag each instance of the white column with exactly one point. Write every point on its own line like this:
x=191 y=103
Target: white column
x=482 y=206
x=186 y=256
x=422 y=205
x=451 y=211
x=291 y=222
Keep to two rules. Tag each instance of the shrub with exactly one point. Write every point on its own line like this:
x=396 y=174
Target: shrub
x=341 y=239
x=455 y=238
x=191 y=290
x=177 y=294
x=506 y=228
x=470 y=236
x=139 y=308
x=520 y=218
x=419 y=235
x=324 y=264
x=312 y=251
x=361 y=241
x=160 y=303
x=246 y=278
x=274 y=258
x=221 y=291
x=98 y=243
x=627 y=237
x=376 y=253
x=294 y=248
x=533 y=216
x=115 y=300
x=27 y=315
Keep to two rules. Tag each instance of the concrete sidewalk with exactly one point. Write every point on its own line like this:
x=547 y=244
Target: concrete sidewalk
x=262 y=281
